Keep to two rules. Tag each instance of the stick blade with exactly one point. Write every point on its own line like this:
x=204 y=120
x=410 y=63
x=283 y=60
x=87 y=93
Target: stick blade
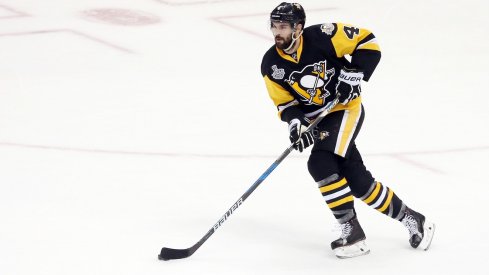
x=173 y=254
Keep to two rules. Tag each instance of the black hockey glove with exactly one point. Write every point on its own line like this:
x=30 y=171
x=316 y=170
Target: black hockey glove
x=348 y=86
x=298 y=134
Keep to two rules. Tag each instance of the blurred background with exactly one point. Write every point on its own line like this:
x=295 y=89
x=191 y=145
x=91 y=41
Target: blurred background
x=129 y=125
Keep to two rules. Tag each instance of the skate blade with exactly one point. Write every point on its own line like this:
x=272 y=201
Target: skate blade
x=429 y=231
x=354 y=250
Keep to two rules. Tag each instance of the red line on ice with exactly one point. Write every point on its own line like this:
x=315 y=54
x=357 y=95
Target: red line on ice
x=75 y=32
x=397 y=155
x=12 y=10
x=193 y=3
x=223 y=20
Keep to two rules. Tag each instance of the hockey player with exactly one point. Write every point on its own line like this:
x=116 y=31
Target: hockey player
x=303 y=71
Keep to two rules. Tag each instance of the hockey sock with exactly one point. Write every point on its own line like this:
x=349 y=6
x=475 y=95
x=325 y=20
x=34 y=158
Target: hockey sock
x=338 y=197
x=384 y=200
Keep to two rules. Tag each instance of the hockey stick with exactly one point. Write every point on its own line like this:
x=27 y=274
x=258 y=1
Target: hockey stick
x=172 y=254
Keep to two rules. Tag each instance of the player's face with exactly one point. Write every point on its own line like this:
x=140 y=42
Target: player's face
x=282 y=32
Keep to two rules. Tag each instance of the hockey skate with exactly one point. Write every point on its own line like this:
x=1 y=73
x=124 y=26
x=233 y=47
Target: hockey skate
x=420 y=230
x=351 y=242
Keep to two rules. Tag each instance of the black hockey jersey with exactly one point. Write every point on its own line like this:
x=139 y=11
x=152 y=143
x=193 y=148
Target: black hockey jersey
x=308 y=81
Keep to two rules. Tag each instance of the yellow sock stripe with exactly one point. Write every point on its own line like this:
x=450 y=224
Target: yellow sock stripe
x=373 y=195
x=388 y=201
x=333 y=186
x=340 y=202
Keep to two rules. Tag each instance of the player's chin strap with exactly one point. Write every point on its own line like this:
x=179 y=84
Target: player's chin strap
x=293 y=41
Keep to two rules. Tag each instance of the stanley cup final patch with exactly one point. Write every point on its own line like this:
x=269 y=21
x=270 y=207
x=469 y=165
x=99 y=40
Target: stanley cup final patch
x=278 y=73
x=327 y=28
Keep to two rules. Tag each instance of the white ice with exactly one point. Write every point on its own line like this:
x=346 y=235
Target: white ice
x=117 y=140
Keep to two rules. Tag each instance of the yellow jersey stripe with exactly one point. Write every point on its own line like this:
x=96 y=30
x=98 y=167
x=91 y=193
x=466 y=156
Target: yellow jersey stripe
x=369 y=46
x=344 y=45
x=277 y=93
x=348 y=127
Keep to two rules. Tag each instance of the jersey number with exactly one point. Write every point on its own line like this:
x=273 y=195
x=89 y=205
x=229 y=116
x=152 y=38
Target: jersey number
x=351 y=31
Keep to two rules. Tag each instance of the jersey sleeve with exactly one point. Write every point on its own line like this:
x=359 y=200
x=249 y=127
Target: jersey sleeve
x=279 y=95
x=360 y=44
x=282 y=98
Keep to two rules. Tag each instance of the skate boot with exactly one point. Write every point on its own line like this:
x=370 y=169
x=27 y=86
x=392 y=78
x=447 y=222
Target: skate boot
x=420 y=230
x=351 y=242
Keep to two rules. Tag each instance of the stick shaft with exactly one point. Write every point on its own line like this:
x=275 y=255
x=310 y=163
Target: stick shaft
x=169 y=253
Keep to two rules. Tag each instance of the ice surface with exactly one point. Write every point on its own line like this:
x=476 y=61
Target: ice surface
x=138 y=129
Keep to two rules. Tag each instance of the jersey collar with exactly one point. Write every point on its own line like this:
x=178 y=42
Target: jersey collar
x=288 y=57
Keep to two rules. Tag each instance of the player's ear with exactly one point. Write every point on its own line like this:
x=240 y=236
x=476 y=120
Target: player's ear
x=299 y=27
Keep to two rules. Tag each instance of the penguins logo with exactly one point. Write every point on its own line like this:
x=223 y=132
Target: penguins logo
x=311 y=82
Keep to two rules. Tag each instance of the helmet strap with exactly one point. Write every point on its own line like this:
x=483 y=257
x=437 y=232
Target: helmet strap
x=293 y=40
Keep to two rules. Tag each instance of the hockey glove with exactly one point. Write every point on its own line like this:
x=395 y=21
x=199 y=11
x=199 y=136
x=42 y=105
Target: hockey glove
x=298 y=135
x=348 y=86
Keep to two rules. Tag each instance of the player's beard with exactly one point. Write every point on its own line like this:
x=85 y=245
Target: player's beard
x=283 y=42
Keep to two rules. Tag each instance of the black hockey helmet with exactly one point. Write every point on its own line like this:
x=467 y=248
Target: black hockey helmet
x=292 y=13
